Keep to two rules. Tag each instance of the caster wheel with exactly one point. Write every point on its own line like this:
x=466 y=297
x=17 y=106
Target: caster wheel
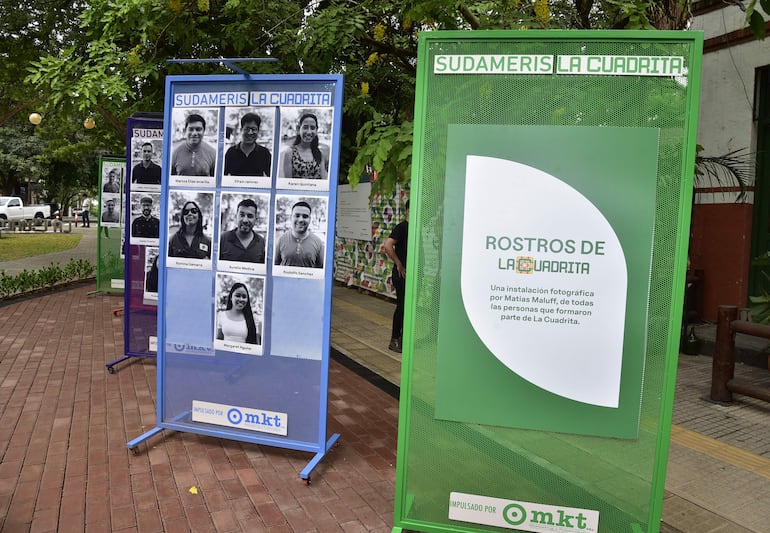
x=307 y=482
x=111 y=369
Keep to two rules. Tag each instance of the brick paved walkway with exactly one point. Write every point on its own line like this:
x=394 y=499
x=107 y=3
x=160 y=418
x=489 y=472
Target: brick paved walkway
x=65 y=422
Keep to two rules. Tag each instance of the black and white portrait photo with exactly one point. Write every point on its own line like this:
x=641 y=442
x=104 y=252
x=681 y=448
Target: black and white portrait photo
x=190 y=228
x=243 y=224
x=146 y=161
x=239 y=313
x=305 y=148
x=301 y=224
x=194 y=146
x=110 y=215
x=145 y=218
x=112 y=180
x=249 y=137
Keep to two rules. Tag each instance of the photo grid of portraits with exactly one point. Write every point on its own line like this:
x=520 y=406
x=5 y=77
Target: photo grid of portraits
x=112 y=185
x=247 y=200
x=143 y=217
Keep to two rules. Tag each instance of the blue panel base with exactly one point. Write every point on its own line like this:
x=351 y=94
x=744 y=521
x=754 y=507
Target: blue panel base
x=305 y=474
x=137 y=441
x=110 y=366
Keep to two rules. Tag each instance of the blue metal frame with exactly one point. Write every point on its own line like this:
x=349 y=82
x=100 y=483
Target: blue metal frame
x=229 y=62
x=322 y=444
x=133 y=123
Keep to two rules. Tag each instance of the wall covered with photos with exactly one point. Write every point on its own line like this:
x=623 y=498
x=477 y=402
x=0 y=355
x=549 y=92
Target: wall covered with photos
x=364 y=264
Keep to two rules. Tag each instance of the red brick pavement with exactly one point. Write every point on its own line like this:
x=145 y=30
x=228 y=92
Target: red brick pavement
x=64 y=424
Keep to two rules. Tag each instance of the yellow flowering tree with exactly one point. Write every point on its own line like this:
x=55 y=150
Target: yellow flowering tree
x=375 y=43
x=108 y=58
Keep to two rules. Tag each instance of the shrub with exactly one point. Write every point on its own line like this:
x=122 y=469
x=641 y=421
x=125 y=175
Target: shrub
x=45 y=278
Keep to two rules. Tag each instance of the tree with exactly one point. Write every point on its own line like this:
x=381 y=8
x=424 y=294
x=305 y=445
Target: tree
x=20 y=157
x=28 y=29
x=106 y=60
x=30 y=154
x=375 y=44
x=118 y=67
x=115 y=63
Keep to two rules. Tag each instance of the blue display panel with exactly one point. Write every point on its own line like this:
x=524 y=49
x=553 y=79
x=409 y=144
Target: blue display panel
x=144 y=152
x=245 y=255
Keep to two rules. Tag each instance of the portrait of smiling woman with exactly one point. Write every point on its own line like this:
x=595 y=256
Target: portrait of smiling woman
x=236 y=322
x=238 y=313
x=306 y=157
x=189 y=240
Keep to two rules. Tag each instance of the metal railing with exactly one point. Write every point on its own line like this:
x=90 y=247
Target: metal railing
x=723 y=381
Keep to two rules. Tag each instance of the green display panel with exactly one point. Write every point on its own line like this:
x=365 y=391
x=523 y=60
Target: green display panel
x=110 y=261
x=552 y=183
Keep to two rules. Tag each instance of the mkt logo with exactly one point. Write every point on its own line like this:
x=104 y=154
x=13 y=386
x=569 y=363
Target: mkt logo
x=522 y=516
x=188 y=348
x=240 y=417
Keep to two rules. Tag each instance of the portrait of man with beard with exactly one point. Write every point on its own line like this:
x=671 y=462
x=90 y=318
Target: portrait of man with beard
x=243 y=243
x=300 y=247
x=147 y=225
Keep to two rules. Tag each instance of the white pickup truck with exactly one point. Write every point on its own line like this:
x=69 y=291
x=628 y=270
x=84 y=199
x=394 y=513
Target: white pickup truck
x=12 y=208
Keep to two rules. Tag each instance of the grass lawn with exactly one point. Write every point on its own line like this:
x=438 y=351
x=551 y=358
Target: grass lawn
x=19 y=245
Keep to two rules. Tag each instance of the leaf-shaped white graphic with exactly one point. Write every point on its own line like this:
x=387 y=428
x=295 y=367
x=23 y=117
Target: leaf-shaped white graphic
x=568 y=337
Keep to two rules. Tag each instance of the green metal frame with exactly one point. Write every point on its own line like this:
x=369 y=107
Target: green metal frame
x=412 y=401
x=108 y=240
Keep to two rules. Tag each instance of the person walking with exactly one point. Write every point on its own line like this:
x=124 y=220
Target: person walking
x=395 y=249
x=85 y=206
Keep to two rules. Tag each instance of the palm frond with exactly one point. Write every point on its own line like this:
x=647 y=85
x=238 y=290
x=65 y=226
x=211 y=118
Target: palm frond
x=733 y=169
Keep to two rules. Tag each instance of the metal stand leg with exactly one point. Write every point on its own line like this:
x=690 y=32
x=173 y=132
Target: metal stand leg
x=305 y=474
x=111 y=364
x=132 y=444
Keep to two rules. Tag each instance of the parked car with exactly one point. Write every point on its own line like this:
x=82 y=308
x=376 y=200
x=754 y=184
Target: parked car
x=13 y=208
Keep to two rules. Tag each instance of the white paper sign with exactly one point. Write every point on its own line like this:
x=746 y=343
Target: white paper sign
x=544 y=280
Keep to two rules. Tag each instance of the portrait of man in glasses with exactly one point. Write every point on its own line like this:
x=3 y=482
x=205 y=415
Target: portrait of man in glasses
x=248 y=157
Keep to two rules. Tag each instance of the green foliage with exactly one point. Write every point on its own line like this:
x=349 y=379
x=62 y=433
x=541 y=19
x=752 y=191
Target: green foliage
x=759 y=309
x=109 y=58
x=634 y=13
x=59 y=163
x=734 y=168
x=375 y=45
x=331 y=37
x=20 y=156
x=46 y=278
x=755 y=19
x=388 y=148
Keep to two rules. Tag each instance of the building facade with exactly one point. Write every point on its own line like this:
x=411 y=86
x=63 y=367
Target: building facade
x=731 y=224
